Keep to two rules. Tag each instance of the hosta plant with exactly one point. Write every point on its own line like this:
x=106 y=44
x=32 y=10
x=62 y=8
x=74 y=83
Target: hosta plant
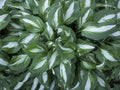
x=59 y=44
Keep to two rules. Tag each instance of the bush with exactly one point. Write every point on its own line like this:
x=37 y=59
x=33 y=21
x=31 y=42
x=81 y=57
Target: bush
x=60 y=45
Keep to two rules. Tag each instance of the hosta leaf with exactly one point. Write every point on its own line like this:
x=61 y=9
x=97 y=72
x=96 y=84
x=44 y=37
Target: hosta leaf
x=107 y=16
x=88 y=81
x=33 y=23
x=4 y=60
x=86 y=3
x=64 y=73
x=39 y=64
x=53 y=59
x=4 y=20
x=10 y=44
x=29 y=37
x=19 y=14
x=11 y=47
x=101 y=81
x=88 y=14
x=71 y=11
x=44 y=5
x=19 y=62
x=49 y=33
x=66 y=33
x=115 y=34
x=107 y=55
x=35 y=83
x=55 y=12
x=97 y=33
x=76 y=87
x=2 y=3
x=15 y=27
x=32 y=49
x=67 y=50
x=14 y=5
x=32 y=5
x=84 y=47
x=20 y=83
x=118 y=5
x=88 y=65
x=101 y=66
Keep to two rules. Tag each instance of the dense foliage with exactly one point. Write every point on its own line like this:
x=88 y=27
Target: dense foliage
x=60 y=45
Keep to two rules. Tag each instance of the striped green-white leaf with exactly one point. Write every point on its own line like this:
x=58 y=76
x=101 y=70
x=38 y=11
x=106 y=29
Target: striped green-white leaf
x=19 y=62
x=106 y=16
x=21 y=83
x=29 y=37
x=115 y=34
x=66 y=51
x=16 y=5
x=76 y=87
x=63 y=72
x=35 y=84
x=45 y=77
x=97 y=33
x=43 y=6
x=101 y=81
x=118 y=15
x=101 y=66
x=88 y=83
x=118 y=5
x=66 y=33
x=2 y=3
x=52 y=86
x=55 y=15
x=4 y=60
x=88 y=65
x=11 y=47
x=32 y=49
x=32 y=23
x=86 y=15
x=20 y=14
x=70 y=11
x=32 y=5
x=15 y=27
x=86 y=4
x=49 y=33
x=108 y=55
x=53 y=59
x=39 y=64
x=84 y=47
x=41 y=87
x=4 y=20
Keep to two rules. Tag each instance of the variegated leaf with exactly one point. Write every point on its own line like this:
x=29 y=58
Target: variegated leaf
x=33 y=23
x=19 y=63
x=71 y=11
x=97 y=33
